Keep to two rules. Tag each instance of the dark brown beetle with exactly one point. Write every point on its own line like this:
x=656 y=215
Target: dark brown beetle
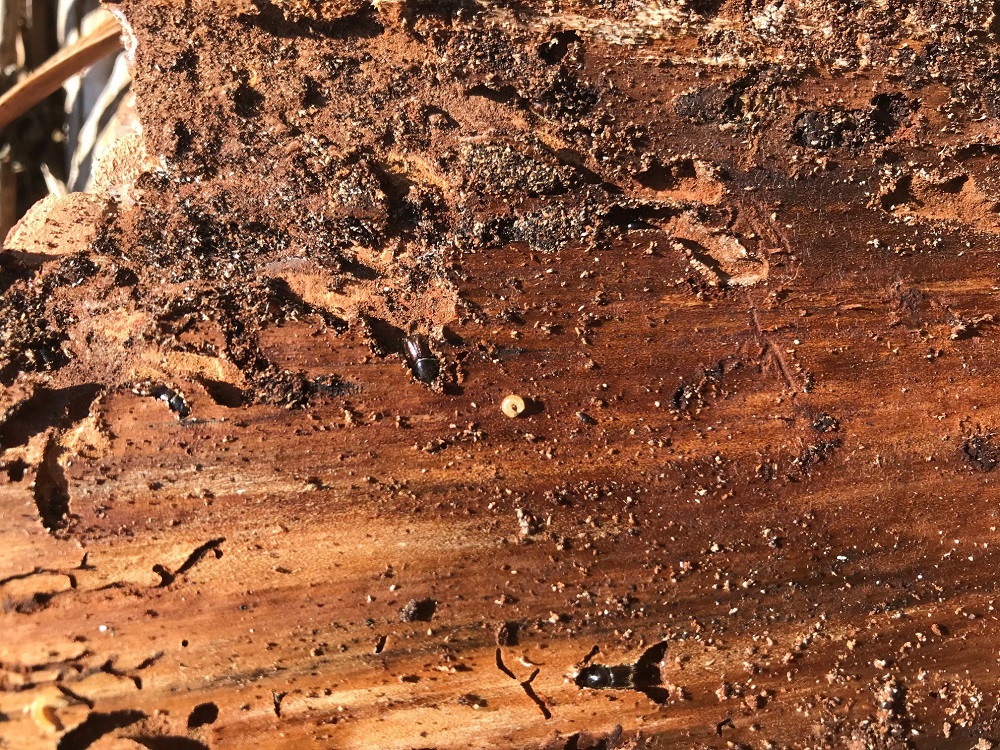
x=424 y=364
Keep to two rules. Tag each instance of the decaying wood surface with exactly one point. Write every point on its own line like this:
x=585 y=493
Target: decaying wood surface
x=741 y=262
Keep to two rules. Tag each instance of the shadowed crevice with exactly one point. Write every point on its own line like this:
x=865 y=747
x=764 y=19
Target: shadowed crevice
x=96 y=726
x=51 y=489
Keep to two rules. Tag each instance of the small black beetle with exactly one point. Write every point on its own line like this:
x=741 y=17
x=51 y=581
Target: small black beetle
x=422 y=360
x=643 y=676
x=598 y=677
x=174 y=401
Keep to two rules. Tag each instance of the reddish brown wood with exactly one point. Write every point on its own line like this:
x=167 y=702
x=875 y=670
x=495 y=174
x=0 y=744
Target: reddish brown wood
x=762 y=406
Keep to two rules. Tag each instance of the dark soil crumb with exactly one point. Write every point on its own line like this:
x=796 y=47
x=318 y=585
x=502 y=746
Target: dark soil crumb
x=507 y=633
x=421 y=610
x=472 y=700
x=981 y=452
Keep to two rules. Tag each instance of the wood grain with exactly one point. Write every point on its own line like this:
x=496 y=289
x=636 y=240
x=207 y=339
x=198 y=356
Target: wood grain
x=761 y=427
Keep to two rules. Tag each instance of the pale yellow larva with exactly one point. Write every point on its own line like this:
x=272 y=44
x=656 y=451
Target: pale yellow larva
x=513 y=406
x=44 y=713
